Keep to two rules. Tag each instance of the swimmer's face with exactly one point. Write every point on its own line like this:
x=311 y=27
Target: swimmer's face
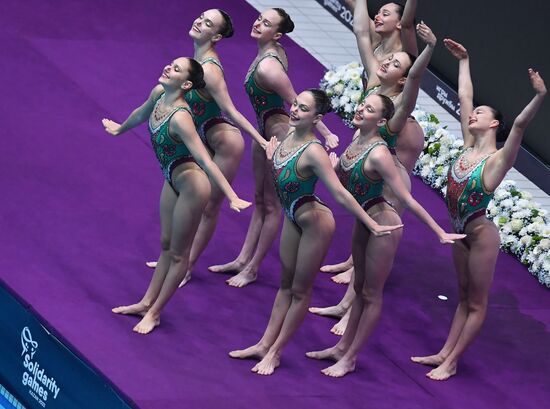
x=369 y=113
x=393 y=68
x=266 y=26
x=207 y=26
x=303 y=111
x=176 y=73
x=388 y=19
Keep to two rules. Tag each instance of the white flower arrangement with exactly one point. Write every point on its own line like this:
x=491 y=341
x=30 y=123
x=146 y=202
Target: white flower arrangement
x=344 y=87
x=523 y=225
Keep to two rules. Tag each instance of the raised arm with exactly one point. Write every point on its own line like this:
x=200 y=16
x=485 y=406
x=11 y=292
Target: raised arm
x=216 y=86
x=506 y=156
x=362 y=30
x=318 y=161
x=383 y=163
x=412 y=84
x=138 y=115
x=408 y=34
x=273 y=77
x=182 y=125
x=465 y=87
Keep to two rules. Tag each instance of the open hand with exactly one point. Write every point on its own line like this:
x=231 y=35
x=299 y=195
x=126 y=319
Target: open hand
x=537 y=82
x=333 y=159
x=379 y=230
x=448 y=238
x=456 y=49
x=270 y=148
x=425 y=33
x=238 y=204
x=111 y=126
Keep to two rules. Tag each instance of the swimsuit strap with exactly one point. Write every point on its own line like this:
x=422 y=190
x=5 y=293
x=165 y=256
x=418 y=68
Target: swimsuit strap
x=271 y=54
x=214 y=61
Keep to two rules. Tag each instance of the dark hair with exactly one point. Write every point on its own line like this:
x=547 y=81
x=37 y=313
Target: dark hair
x=227 y=26
x=399 y=9
x=196 y=74
x=286 y=25
x=322 y=101
x=388 y=109
x=502 y=131
x=413 y=59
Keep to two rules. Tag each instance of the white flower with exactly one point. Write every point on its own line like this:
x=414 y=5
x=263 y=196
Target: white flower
x=355 y=96
x=516 y=225
x=338 y=88
x=544 y=244
x=526 y=240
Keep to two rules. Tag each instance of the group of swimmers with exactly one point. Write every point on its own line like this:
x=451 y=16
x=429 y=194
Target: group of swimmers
x=194 y=128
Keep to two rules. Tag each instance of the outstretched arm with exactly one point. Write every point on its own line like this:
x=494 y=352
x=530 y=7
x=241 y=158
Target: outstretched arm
x=362 y=30
x=506 y=156
x=465 y=87
x=182 y=125
x=408 y=34
x=138 y=115
x=320 y=164
x=216 y=86
x=383 y=163
x=275 y=78
x=412 y=84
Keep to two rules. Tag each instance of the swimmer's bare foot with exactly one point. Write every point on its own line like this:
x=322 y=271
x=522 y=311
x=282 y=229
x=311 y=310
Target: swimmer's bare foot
x=185 y=279
x=135 y=309
x=431 y=360
x=336 y=311
x=343 y=278
x=151 y=264
x=268 y=364
x=245 y=277
x=330 y=354
x=340 y=327
x=257 y=351
x=340 y=368
x=232 y=267
x=442 y=372
x=337 y=268
x=147 y=324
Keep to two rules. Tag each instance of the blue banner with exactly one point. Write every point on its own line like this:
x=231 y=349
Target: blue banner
x=43 y=372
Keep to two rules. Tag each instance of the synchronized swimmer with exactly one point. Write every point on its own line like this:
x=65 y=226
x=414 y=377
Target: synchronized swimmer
x=195 y=133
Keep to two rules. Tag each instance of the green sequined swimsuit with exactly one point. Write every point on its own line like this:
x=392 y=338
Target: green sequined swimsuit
x=170 y=151
x=366 y=191
x=206 y=112
x=265 y=103
x=466 y=196
x=293 y=190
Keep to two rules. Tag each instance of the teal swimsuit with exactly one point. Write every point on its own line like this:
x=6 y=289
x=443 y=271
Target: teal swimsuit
x=170 y=151
x=265 y=103
x=293 y=190
x=206 y=112
x=366 y=191
x=466 y=196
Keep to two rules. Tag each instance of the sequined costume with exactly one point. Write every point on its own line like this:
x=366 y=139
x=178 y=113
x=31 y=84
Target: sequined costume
x=293 y=189
x=206 y=112
x=265 y=103
x=170 y=151
x=466 y=198
x=366 y=191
